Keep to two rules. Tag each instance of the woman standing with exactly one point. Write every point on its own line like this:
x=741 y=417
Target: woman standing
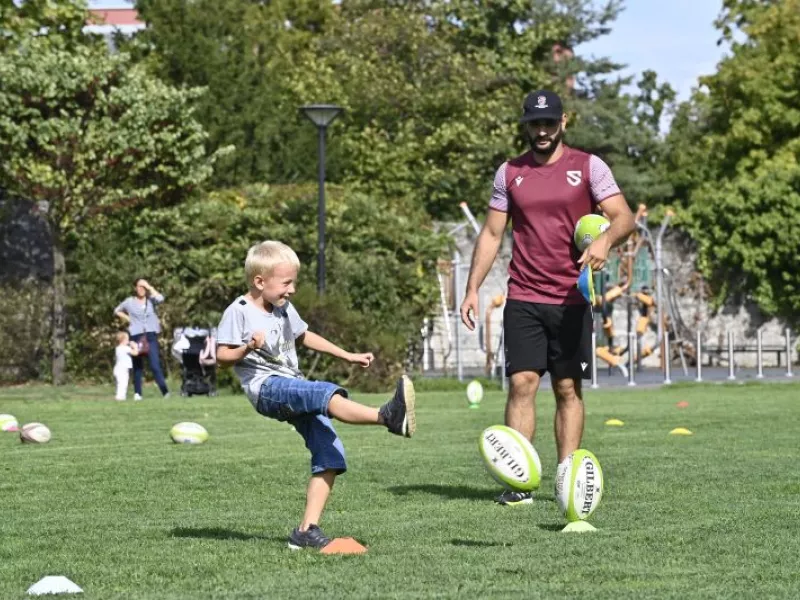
x=139 y=312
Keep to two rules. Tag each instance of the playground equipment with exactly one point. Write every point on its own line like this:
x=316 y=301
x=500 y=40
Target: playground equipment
x=659 y=312
x=634 y=278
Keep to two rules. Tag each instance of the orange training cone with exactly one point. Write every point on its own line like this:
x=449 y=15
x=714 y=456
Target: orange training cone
x=345 y=545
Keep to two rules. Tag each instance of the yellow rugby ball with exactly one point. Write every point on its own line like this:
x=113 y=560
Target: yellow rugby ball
x=188 y=433
x=8 y=423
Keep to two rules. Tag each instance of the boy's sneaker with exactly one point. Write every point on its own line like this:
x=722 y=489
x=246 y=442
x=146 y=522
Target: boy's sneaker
x=509 y=498
x=137 y=397
x=398 y=413
x=310 y=538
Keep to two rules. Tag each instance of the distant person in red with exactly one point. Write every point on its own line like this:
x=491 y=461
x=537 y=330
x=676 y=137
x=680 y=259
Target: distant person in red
x=547 y=324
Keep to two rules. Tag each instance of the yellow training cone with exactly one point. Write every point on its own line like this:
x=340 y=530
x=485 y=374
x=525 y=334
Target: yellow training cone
x=578 y=527
x=680 y=431
x=615 y=422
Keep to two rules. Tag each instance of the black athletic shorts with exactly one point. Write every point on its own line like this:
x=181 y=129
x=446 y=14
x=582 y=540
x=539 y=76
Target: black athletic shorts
x=548 y=337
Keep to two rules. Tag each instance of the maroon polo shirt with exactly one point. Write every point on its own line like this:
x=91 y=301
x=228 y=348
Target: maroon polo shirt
x=545 y=203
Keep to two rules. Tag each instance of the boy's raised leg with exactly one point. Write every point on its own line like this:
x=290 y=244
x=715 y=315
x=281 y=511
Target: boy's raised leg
x=398 y=414
x=347 y=411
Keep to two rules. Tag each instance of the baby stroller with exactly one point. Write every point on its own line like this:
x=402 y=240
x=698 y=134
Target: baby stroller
x=195 y=349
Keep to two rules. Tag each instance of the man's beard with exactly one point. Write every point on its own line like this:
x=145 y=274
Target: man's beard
x=555 y=139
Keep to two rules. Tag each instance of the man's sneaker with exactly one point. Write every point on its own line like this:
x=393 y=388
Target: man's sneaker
x=398 y=413
x=310 y=538
x=509 y=498
x=137 y=397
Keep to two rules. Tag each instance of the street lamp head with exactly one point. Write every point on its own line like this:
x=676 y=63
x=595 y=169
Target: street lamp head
x=321 y=114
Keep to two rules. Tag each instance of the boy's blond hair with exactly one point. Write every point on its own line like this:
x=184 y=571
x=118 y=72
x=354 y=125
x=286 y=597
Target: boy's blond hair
x=122 y=337
x=264 y=257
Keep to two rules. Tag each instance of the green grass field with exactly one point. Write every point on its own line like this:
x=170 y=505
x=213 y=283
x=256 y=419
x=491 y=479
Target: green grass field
x=112 y=504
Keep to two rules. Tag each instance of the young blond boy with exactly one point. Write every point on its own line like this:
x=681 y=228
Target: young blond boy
x=257 y=336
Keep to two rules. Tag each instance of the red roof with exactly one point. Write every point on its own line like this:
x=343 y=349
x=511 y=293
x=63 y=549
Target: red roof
x=115 y=16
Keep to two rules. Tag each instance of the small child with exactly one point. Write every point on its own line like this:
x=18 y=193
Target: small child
x=123 y=363
x=257 y=335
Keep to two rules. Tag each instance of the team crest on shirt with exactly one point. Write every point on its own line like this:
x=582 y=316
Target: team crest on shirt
x=574 y=178
x=518 y=180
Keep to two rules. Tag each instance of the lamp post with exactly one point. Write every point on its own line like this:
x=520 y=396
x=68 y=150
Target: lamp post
x=321 y=115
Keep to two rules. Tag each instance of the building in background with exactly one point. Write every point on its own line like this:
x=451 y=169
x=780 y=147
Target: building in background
x=107 y=19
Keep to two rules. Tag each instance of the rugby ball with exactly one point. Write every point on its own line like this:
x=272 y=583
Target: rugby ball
x=588 y=229
x=34 y=433
x=188 y=433
x=474 y=392
x=510 y=458
x=579 y=485
x=8 y=423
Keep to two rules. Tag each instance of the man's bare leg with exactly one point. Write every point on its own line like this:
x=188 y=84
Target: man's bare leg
x=521 y=403
x=569 y=416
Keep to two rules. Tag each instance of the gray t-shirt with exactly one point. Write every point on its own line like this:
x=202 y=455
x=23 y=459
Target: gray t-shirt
x=143 y=316
x=278 y=355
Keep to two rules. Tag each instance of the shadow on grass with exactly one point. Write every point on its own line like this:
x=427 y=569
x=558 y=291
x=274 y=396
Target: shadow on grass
x=552 y=526
x=477 y=543
x=457 y=492
x=452 y=492
x=219 y=533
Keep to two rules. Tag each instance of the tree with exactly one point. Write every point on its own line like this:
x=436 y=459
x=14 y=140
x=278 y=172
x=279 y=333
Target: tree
x=432 y=89
x=194 y=252
x=624 y=129
x=743 y=205
x=59 y=22
x=242 y=52
x=83 y=134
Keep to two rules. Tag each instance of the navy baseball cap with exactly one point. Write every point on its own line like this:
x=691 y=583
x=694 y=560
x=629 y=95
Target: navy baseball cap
x=542 y=104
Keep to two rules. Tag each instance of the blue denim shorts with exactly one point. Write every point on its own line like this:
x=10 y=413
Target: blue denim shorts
x=304 y=404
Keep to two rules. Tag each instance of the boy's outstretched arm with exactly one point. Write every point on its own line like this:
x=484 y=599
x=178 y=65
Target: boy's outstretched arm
x=316 y=342
x=228 y=354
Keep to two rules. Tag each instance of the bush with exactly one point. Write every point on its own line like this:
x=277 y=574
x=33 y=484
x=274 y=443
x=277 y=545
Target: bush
x=380 y=273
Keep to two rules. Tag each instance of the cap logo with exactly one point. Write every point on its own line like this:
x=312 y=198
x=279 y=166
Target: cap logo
x=541 y=102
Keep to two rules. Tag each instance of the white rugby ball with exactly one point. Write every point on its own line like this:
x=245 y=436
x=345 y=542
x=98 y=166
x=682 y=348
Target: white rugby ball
x=579 y=485
x=34 y=433
x=510 y=458
x=8 y=423
x=188 y=433
x=474 y=392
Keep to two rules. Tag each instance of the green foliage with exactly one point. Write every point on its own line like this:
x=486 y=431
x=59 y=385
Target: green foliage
x=624 y=130
x=58 y=22
x=242 y=52
x=744 y=195
x=87 y=133
x=432 y=90
x=83 y=134
x=379 y=271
